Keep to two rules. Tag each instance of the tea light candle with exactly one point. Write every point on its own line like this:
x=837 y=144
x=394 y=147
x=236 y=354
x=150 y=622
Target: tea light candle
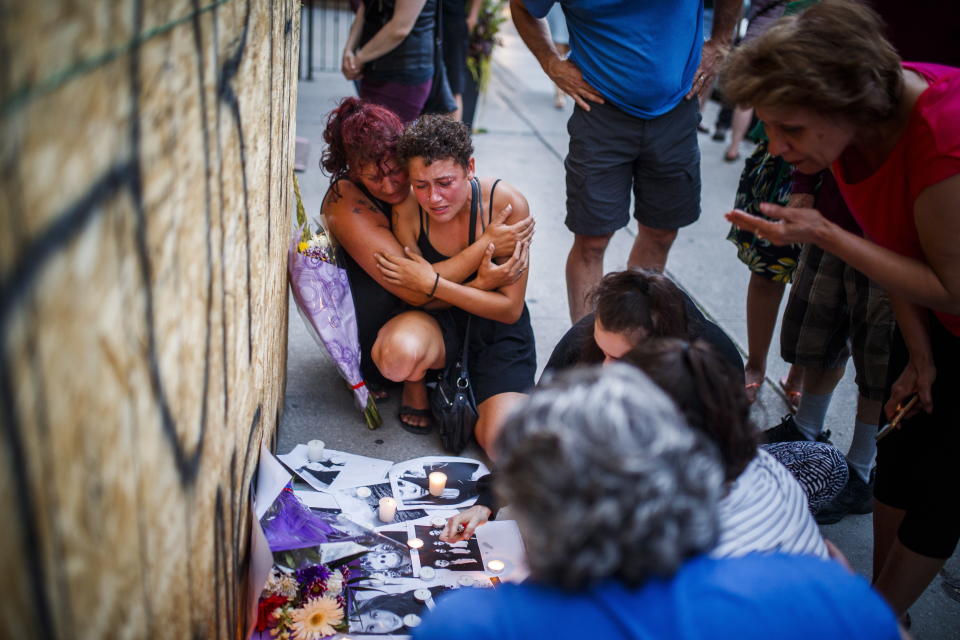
x=411 y=620
x=438 y=482
x=427 y=573
x=439 y=522
x=496 y=566
x=315 y=450
x=363 y=492
x=388 y=509
x=414 y=543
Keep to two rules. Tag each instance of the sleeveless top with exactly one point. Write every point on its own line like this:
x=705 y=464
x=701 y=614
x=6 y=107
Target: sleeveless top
x=427 y=250
x=411 y=62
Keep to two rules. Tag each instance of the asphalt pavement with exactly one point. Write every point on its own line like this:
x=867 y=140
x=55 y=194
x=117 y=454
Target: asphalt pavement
x=521 y=137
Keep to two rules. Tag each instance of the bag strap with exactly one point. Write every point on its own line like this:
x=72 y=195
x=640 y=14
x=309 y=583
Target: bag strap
x=474 y=206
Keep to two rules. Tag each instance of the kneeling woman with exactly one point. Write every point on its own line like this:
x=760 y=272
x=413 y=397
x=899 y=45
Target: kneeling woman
x=454 y=208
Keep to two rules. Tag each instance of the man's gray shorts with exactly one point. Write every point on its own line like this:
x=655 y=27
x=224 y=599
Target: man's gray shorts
x=611 y=151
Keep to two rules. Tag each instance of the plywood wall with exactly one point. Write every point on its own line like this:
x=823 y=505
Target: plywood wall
x=145 y=162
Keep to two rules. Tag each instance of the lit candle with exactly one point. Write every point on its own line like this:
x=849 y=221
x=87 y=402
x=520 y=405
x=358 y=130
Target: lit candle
x=496 y=566
x=415 y=543
x=388 y=509
x=438 y=482
x=315 y=450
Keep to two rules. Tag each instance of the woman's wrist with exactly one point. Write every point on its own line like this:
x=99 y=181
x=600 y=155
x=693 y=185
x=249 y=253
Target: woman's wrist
x=436 y=283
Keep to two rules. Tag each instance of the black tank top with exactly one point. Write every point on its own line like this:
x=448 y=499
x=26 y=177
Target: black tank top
x=427 y=250
x=411 y=62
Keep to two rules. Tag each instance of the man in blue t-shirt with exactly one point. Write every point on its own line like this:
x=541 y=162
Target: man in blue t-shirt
x=634 y=66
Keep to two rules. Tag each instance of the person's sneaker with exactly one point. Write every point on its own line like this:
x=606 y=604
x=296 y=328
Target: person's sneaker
x=856 y=497
x=788 y=431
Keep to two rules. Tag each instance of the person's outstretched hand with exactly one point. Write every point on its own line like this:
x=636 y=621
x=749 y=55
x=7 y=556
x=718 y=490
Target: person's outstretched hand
x=567 y=76
x=789 y=226
x=461 y=526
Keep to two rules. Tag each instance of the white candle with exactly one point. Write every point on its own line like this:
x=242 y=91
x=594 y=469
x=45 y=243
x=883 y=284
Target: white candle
x=438 y=482
x=496 y=566
x=363 y=492
x=388 y=509
x=415 y=543
x=315 y=450
x=439 y=522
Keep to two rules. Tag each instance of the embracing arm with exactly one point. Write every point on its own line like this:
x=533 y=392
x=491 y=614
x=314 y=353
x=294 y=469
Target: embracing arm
x=363 y=231
x=937 y=216
x=565 y=74
x=405 y=14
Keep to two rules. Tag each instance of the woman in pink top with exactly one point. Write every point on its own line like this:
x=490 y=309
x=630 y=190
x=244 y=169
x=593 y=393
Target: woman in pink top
x=834 y=94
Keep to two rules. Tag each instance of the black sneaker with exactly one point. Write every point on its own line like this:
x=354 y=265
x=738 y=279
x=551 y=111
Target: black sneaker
x=787 y=431
x=856 y=497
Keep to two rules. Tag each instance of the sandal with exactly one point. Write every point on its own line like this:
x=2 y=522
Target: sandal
x=750 y=386
x=793 y=396
x=729 y=158
x=420 y=430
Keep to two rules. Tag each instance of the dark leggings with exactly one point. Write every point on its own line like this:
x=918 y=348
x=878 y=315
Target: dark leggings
x=916 y=465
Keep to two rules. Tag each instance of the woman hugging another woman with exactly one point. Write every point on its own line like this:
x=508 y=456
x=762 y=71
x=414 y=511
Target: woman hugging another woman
x=367 y=182
x=452 y=207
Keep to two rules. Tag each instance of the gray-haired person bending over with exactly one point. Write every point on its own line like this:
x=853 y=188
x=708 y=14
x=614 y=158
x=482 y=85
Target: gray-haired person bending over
x=616 y=499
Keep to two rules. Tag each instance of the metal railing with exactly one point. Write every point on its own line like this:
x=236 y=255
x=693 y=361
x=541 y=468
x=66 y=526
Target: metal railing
x=324 y=26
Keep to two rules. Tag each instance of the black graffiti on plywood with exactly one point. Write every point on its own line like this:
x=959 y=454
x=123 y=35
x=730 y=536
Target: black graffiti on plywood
x=17 y=285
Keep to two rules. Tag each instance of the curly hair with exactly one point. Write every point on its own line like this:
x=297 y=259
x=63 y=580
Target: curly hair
x=634 y=299
x=601 y=470
x=708 y=391
x=436 y=137
x=832 y=59
x=358 y=133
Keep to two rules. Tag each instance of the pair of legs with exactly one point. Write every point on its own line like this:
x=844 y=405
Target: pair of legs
x=585 y=262
x=410 y=344
x=738 y=131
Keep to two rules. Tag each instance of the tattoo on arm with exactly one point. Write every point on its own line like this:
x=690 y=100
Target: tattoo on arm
x=357 y=210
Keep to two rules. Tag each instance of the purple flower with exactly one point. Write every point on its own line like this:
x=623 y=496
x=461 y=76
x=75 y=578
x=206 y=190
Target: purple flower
x=308 y=575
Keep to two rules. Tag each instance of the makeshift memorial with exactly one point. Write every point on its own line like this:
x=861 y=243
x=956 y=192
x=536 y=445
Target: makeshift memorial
x=322 y=292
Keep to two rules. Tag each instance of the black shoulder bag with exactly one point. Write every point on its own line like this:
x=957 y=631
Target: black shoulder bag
x=451 y=396
x=440 y=99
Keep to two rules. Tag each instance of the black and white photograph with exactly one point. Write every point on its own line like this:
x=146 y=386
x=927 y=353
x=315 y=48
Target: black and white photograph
x=455 y=488
x=385 y=490
x=387 y=613
x=459 y=556
x=389 y=558
x=334 y=469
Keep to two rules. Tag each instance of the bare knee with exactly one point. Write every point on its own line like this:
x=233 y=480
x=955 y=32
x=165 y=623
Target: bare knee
x=399 y=356
x=590 y=248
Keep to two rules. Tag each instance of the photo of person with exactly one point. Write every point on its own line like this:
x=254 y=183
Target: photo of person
x=383 y=614
x=411 y=482
x=385 y=490
x=324 y=471
x=392 y=559
x=458 y=556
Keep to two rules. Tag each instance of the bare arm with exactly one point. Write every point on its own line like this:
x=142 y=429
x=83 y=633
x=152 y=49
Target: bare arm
x=565 y=74
x=350 y=66
x=935 y=285
x=405 y=15
x=919 y=374
x=363 y=231
x=473 y=15
x=726 y=13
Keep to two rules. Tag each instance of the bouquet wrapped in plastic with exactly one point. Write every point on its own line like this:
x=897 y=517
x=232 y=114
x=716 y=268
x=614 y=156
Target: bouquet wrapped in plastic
x=483 y=39
x=321 y=290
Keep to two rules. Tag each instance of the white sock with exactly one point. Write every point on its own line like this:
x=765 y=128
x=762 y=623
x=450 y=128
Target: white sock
x=863 y=449
x=811 y=414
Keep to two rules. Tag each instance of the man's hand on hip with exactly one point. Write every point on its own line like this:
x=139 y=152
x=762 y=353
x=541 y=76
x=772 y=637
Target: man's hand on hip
x=567 y=76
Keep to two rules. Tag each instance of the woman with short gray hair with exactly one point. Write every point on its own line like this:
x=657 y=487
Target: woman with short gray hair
x=616 y=499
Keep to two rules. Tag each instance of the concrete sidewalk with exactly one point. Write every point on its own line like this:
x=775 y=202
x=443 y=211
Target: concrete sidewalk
x=522 y=138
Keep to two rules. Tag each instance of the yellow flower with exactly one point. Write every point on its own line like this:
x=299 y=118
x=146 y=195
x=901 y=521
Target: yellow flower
x=316 y=619
x=302 y=247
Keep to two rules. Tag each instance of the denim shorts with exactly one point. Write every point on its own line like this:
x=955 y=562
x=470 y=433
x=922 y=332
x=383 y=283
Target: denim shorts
x=612 y=152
